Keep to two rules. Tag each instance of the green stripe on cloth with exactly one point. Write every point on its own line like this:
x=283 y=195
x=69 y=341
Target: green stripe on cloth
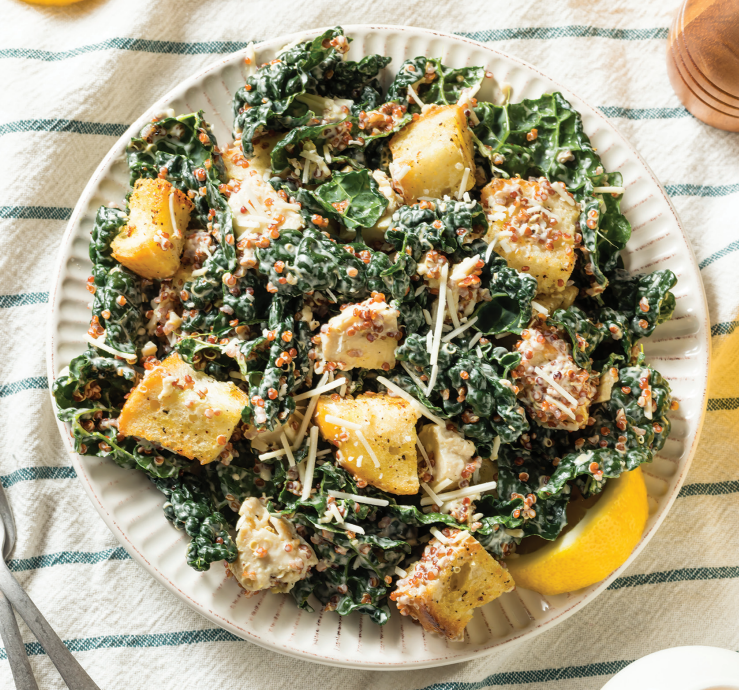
x=35 y=212
x=18 y=565
x=717 y=404
x=729 y=572
x=29 y=474
x=141 y=45
x=644 y=113
x=31 y=383
x=701 y=189
x=571 y=31
x=709 y=489
x=725 y=328
x=23 y=299
x=720 y=254
x=57 y=125
x=172 y=639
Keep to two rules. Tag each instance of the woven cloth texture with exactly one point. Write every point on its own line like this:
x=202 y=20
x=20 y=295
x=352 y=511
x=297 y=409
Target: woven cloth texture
x=73 y=78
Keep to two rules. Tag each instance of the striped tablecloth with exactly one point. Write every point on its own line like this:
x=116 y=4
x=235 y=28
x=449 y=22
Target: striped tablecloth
x=73 y=78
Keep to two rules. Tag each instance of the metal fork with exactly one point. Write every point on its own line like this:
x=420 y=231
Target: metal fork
x=69 y=668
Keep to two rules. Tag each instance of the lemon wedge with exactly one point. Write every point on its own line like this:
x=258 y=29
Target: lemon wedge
x=51 y=2
x=592 y=549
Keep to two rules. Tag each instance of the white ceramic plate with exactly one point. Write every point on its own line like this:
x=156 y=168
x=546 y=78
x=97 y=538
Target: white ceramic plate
x=131 y=506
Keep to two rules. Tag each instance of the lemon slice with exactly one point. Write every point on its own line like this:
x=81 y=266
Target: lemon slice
x=595 y=547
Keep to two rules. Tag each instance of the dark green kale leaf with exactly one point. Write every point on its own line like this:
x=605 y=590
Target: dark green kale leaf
x=433 y=82
x=356 y=81
x=520 y=475
x=308 y=138
x=511 y=293
x=442 y=225
x=268 y=101
x=354 y=197
x=183 y=150
x=189 y=507
x=622 y=438
x=545 y=136
x=94 y=380
x=108 y=223
x=286 y=369
x=644 y=300
x=498 y=518
x=584 y=335
x=312 y=261
x=120 y=321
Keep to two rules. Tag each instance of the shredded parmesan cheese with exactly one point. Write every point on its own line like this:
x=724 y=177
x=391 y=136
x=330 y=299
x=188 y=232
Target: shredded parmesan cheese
x=608 y=190
x=409 y=398
x=288 y=450
x=413 y=95
x=475 y=338
x=496 y=448
x=430 y=492
x=331 y=419
x=461 y=493
x=452 y=305
x=310 y=464
x=413 y=375
x=309 y=413
x=100 y=343
x=461 y=329
x=436 y=532
x=463 y=183
x=367 y=447
x=359 y=499
x=561 y=406
x=540 y=308
x=400 y=572
x=321 y=388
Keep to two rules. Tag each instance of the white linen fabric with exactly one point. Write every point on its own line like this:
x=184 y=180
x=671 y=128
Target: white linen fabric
x=73 y=78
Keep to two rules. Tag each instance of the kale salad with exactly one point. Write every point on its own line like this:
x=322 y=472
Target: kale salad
x=375 y=343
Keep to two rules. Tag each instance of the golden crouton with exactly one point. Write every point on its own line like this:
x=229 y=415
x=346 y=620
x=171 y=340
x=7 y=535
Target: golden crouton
x=434 y=155
x=184 y=410
x=388 y=426
x=271 y=553
x=442 y=590
x=362 y=335
x=533 y=227
x=150 y=244
x=554 y=389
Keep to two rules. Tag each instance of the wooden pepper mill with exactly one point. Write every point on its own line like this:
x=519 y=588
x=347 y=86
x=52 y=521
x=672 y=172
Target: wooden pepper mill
x=703 y=60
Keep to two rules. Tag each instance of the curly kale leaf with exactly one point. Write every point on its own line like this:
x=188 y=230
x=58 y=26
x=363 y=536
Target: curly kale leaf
x=108 y=223
x=520 y=475
x=269 y=99
x=644 y=300
x=432 y=81
x=442 y=225
x=312 y=261
x=544 y=136
x=286 y=369
x=473 y=390
x=354 y=197
x=498 y=518
x=309 y=138
x=183 y=150
x=511 y=294
x=356 y=81
x=120 y=321
x=622 y=438
x=93 y=380
x=189 y=507
x=583 y=333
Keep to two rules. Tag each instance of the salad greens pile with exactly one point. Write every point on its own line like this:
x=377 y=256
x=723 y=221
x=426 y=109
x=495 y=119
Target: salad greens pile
x=311 y=96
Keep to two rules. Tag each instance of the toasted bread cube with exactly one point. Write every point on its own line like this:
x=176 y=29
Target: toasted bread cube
x=184 y=410
x=150 y=244
x=271 y=554
x=442 y=589
x=534 y=227
x=559 y=300
x=434 y=155
x=362 y=335
x=546 y=370
x=388 y=426
x=465 y=285
x=450 y=454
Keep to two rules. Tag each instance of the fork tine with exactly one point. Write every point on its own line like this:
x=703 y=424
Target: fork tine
x=6 y=515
